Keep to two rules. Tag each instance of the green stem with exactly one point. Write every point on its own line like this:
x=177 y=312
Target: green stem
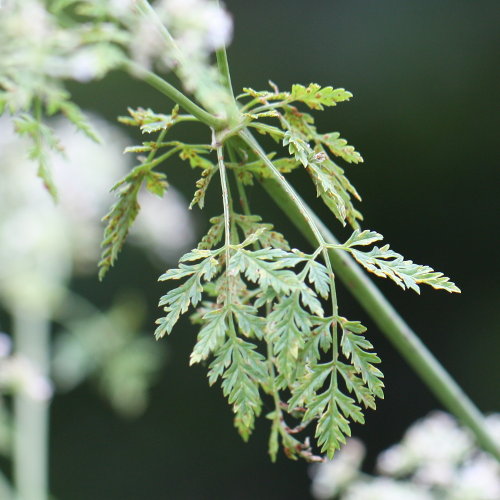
x=243 y=199
x=175 y=95
x=299 y=205
x=6 y=492
x=390 y=322
x=31 y=416
x=227 y=220
x=223 y=65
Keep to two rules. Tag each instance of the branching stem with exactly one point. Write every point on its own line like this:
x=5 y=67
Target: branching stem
x=389 y=321
x=304 y=211
x=175 y=95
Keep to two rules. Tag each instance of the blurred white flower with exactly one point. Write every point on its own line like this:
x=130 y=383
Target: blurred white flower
x=477 y=479
x=394 y=461
x=18 y=375
x=165 y=223
x=435 y=473
x=198 y=26
x=42 y=241
x=493 y=425
x=332 y=476
x=121 y=7
x=5 y=345
x=30 y=19
x=436 y=460
x=148 y=45
x=435 y=443
x=387 y=489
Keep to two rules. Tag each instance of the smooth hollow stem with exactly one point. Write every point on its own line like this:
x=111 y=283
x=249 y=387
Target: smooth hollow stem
x=175 y=95
x=403 y=338
x=31 y=411
x=227 y=220
x=6 y=492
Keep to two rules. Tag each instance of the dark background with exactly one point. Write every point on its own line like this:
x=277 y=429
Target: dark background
x=424 y=75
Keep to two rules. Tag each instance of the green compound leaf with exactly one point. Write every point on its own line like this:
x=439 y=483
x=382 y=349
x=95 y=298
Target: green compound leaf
x=297 y=147
x=264 y=268
x=211 y=335
x=75 y=115
x=305 y=390
x=316 y=97
x=120 y=218
x=248 y=319
x=332 y=427
x=194 y=154
x=124 y=212
x=246 y=172
x=331 y=184
x=251 y=224
x=307 y=146
x=287 y=327
x=317 y=274
x=43 y=140
x=349 y=407
x=214 y=235
x=387 y=263
x=148 y=121
x=355 y=384
x=339 y=147
x=178 y=300
x=358 y=349
x=363 y=238
x=202 y=185
x=156 y=183
x=241 y=381
x=265 y=318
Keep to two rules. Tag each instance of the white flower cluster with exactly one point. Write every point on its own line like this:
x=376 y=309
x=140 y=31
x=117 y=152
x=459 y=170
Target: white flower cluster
x=37 y=52
x=194 y=29
x=181 y=35
x=334 y=475
x=435 y=460
x=17 y=374
x=198 y=26
x=43 y=242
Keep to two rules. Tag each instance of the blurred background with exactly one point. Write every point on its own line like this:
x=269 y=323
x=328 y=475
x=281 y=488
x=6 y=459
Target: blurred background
x=425 y=76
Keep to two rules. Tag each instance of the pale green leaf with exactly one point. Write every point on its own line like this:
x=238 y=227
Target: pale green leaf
x=387 y=263
x=211 y=335
x=315 y=97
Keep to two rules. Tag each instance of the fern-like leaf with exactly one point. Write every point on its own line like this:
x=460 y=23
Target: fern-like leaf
x=43 y=140
x=287 y=327
x=250 y=224
x=358 y=349
x=211 y=335
x=315 y=97
x=340 y=147
x=124 y=212
x=387 y=263
x=178 y=300
x=241 y=381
